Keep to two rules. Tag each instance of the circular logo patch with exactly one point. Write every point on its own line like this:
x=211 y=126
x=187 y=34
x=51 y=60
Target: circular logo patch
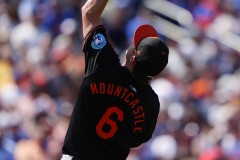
x=99 y=41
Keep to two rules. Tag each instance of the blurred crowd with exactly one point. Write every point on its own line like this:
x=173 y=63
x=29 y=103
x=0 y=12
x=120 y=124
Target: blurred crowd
x=42 y=66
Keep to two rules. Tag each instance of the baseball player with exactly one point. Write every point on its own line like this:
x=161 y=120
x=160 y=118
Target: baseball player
x=116 y=107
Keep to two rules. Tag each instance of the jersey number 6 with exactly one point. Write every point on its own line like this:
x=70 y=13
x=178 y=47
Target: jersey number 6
x=105 y=120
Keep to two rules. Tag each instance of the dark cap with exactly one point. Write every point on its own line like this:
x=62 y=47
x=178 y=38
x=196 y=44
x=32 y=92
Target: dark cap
x=151 y=53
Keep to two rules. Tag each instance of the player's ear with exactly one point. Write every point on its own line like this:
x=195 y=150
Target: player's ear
x=130 y=52
x=133 y=59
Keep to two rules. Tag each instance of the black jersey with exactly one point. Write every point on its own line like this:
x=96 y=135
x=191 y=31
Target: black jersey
x=113 y=113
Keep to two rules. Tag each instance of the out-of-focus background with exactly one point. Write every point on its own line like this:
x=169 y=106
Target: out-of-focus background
x=42 y=66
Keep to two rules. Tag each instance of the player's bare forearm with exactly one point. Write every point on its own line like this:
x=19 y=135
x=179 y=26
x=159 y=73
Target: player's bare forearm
x=91 y=14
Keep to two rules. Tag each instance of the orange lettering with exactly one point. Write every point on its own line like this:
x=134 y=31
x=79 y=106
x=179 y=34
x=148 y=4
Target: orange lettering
x=134 y=103
x=138 y=110
x=102 y=88
x=125 y=91
x=127 y=97
x=137 y=129
x=93 y=88
x=110 y=88
x=140 y=116
x=139 y=121
x=118 y=91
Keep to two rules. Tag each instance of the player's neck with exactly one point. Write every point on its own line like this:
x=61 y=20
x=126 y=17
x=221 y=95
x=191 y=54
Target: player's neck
x=141 y=81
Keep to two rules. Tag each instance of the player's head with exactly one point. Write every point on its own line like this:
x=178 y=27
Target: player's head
x=150 y=54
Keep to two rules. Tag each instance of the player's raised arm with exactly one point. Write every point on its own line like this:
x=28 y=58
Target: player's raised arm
x=91 y=14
